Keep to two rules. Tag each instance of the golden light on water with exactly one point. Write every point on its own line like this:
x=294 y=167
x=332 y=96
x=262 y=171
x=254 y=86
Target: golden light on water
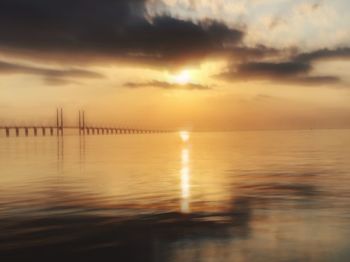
x=185 y=157
x=185 y=136
x=185 y=181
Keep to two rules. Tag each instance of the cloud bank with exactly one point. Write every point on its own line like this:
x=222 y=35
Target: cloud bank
x=114 y=29
x=51 y=76
x=166 y=85
x=76 y=31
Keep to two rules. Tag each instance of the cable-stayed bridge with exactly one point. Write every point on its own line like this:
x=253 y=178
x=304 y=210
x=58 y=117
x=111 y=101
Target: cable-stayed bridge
x=60 y=128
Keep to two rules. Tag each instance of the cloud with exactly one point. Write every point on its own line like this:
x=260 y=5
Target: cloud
x=167 y=85
x=243 y=53
x=112 y=29
x=325 y=54
x=77 y=31
x=283 y=66
x=316 y=80
x=275 y=22
x=292 y=72
x=51 y=76
x=263 y=97
x=56 y=81
x=284 y=69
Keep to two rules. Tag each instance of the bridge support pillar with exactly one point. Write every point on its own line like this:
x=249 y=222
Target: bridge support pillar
x=26 y=131
x=51 y=131
x=44 y=131
x=17 y=131
x=7 y=131
x=35 y=131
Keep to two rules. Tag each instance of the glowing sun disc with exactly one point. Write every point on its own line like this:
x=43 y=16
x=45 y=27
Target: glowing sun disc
x=183 y=78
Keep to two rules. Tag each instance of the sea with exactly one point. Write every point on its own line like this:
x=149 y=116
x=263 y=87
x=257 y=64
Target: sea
x=199 y=196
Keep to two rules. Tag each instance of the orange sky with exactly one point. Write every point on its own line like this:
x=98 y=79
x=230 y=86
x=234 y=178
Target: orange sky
x=177 y=64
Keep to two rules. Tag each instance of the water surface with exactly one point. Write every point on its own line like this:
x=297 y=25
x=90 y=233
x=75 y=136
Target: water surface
x=240 y=196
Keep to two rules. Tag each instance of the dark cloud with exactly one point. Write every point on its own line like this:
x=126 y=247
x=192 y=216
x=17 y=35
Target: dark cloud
x=77 y=31
x=293 y=72
x=324 y=54
x=114 y=29
x=262 y=69
x=55 y=76
x=167 y=85
x=296 y=69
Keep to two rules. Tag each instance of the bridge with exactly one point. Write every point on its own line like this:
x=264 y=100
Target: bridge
x=59 y=128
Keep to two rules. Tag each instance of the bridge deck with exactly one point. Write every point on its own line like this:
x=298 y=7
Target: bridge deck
x=83 y=128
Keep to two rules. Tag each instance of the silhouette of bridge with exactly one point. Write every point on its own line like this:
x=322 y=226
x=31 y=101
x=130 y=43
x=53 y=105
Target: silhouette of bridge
x=83 y=128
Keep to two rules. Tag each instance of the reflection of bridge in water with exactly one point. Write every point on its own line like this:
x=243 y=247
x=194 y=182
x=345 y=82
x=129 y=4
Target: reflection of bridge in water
x=83 y=128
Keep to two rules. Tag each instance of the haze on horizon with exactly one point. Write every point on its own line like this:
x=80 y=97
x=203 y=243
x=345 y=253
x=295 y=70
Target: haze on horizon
x=196 y=64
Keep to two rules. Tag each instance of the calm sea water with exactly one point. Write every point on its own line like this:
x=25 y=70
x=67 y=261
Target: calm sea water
x=240 y=196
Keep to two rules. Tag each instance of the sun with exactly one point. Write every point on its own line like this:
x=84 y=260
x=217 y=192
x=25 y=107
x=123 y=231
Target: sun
x=183 y=78
x=185 y=136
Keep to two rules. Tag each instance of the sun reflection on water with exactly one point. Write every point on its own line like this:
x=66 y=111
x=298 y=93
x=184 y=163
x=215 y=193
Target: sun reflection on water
x=185 y=181
x=185 y=157
x=185 y=136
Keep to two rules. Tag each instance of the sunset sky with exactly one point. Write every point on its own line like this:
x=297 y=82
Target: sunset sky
x=177 y=64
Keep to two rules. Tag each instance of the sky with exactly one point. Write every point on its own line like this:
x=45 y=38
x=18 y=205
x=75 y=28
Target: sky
x=177 y=64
